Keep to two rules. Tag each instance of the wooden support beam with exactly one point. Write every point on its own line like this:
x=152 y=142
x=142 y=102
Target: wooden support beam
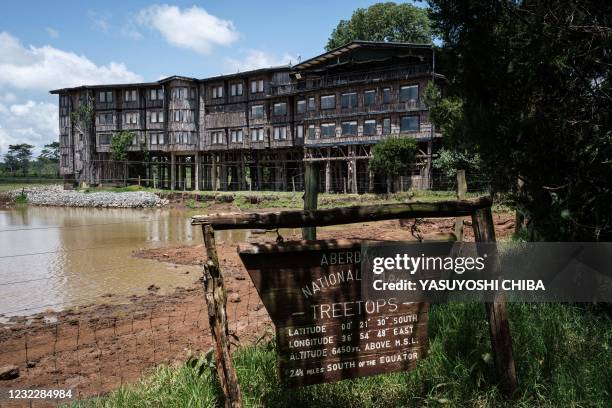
x=216 y=301
x=461 y=192
x=311 y=193
x=342 y=215
x=499 y=327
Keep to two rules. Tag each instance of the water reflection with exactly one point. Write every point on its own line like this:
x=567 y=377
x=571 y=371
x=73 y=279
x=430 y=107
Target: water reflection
x=56 y=257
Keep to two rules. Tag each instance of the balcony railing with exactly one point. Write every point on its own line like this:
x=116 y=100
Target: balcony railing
x=353 y=77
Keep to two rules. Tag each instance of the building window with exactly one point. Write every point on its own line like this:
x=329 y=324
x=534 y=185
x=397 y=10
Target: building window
x=105 y=119
x=311 y=132
x=280 y=109
x=349 y=128
x=130 y=95
x=300 y=106
x=177 y=115
x=236 y=135
x=179 y=93
x=156 y=138
x=409 y=93
x=257 y=135
x=157 y=117
x=64 y=160
x=236 y=89
x=299 y=131
x=386 y=126
x=280 y=132
x=328 y=102
x=348 y=100
x=369 y=127
x=104 y=139
x=192 y=93
x=182 y=138
x=328 y=130
x=217 y=137
x=257 y=86
x=217 y=92
x=386 y=95
x=156 y=94
x=311 y=103
x=257 y=111
x=105 y=96
x=409 y=124
x=369 y=97
x=130 y=118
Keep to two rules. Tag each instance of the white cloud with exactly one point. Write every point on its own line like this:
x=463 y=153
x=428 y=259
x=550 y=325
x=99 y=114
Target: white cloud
x=193 y=28
x=53 y=33
x=99 y=21
x=254 y=59
x=8 y=97
x=44 y=68
x=32 y=122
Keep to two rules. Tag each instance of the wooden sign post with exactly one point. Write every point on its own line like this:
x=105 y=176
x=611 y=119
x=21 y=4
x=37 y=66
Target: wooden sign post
x=325 y=329
x=282 y=281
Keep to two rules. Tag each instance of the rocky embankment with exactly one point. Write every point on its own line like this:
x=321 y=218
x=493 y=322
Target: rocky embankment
x=57 y=196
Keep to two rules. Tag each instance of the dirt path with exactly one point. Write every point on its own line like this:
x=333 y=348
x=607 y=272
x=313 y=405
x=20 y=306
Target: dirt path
x=94 y=349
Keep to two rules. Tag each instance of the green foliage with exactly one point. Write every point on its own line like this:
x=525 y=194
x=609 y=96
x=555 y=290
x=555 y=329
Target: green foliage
x=383 y=22
x=393 y=156
x=535 y=85
x=22 y=198
x=51 y=152
x=561 y=352
x=446 y=113
x=83 y=116
x=18 y=157
x=449 y=161
x=119 y=144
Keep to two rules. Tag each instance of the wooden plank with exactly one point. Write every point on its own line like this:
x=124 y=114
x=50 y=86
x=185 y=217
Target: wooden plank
x=311 y=193
x=499 y=327
x=461 y=192
x=326 y=329
x=343 y=215
x=216 y=301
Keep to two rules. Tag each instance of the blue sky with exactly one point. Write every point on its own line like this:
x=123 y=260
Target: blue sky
x=52 y=44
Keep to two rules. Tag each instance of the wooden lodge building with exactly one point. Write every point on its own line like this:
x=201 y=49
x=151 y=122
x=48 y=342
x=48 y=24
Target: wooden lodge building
x=257 y=129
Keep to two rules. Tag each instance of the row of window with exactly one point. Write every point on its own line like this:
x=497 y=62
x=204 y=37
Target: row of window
x=257 y=86
x=179 y=115
x=407 y=93
x=347 y=100
x=156 y=94
x=327 y=130
x=155 y=138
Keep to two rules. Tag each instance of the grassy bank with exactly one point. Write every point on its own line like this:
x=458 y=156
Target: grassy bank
x=562 y=352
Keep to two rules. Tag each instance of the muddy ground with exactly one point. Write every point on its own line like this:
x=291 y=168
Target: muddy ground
x=95 y=349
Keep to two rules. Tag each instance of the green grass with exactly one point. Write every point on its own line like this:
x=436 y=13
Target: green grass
x=562 y=354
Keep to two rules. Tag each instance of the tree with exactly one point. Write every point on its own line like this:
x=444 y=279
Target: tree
x=119 y=144
x=51 y=152
x=18 y=157
x=392 y=157
x=534 y=81
x=383 y=22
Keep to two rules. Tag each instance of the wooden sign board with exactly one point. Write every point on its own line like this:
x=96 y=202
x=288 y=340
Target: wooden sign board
x=325 y=330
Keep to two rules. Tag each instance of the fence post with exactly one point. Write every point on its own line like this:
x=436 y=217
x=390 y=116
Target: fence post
x=311 y=192
x=461 y=191
x=499 y=327
x=216 y=301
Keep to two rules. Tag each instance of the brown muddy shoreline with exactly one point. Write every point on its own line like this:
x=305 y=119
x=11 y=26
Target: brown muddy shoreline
x=96 y=348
